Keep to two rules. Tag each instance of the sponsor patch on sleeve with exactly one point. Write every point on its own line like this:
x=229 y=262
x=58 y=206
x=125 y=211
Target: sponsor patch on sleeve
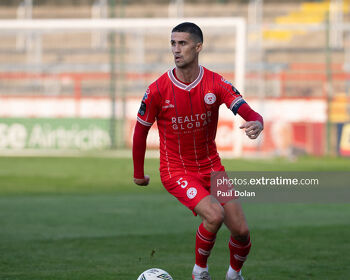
x=236 y=90
x=146 y=95
x=142 y=109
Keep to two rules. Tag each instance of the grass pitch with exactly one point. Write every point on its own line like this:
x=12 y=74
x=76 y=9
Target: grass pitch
x=82 y=218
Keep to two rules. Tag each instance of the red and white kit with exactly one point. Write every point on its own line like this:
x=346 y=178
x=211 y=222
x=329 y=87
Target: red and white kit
x=187 y=118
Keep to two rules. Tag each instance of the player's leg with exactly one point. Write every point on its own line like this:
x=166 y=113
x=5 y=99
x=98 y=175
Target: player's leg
x=193 y=193
x=212 y=214
x=239 y=243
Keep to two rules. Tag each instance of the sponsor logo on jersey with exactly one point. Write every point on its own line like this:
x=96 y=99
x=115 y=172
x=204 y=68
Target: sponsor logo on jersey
x=210 y=98
x=191 y=121
x=191 y=193
x=142 y=109
x=168 y=105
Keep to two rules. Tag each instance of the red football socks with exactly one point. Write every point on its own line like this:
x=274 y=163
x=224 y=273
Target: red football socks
x=238 y=252
x=205 y=241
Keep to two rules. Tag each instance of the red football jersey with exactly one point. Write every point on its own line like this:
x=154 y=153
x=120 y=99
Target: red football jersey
x=187 y=117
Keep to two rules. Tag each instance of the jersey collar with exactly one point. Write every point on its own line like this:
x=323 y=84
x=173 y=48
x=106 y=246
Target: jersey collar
x=183 y=86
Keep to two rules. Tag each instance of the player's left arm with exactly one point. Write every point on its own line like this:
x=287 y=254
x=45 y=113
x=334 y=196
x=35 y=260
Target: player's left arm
x=254 y=121
x=235 y=102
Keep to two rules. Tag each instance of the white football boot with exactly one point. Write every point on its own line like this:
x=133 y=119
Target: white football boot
x=199 y=273
x=233 y=274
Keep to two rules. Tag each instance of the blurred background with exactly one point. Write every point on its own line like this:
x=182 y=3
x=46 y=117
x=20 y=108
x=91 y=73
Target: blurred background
x=72 y=76
x=72 y=73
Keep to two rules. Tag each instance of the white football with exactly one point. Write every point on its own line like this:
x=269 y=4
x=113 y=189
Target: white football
x=155 y=274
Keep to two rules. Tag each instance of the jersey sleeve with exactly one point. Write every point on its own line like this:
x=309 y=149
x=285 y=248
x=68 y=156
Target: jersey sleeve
x=228 y=94
x=149 y=108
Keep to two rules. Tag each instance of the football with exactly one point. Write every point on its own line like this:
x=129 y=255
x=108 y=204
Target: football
x=155 y=274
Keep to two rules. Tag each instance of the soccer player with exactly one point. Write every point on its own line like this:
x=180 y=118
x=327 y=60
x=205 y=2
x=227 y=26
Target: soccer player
x=185 y=103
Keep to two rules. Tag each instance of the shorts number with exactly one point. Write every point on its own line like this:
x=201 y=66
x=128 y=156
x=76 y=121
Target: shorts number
x=183 y=183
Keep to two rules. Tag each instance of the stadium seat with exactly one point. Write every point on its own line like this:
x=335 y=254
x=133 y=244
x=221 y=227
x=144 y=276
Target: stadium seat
x=309 y=13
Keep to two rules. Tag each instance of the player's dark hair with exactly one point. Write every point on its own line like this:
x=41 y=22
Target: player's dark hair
x=191 y=28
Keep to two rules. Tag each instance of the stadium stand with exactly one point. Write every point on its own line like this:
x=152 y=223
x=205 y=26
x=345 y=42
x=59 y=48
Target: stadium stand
x=78 y=55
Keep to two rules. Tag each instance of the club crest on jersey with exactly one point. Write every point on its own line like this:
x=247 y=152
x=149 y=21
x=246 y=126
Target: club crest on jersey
x=191 y=193
x=210 y=98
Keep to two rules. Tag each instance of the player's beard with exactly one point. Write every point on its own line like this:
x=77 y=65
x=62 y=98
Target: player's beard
x=183 y=64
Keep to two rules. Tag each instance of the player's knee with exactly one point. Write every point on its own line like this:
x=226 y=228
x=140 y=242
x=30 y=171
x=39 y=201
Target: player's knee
x=215 y=217
x=242 y=234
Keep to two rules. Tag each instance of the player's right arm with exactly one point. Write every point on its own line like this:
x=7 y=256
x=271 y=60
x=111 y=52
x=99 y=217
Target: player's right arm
x=138 y=154
x=145 y=118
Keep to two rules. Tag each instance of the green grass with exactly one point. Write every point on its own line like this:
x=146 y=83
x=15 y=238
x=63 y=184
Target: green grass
x=82 y=218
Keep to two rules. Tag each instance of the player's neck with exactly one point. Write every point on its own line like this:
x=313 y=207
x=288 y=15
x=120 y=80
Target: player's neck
x=187 y=75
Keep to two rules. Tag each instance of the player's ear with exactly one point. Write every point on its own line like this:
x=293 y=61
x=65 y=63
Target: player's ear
x=199 y=47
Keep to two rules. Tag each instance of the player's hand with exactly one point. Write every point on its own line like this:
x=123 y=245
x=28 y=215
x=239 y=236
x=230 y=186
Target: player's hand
x=252 y=129
x=142 y=182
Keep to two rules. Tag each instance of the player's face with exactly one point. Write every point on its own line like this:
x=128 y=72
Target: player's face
x=185 y=49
